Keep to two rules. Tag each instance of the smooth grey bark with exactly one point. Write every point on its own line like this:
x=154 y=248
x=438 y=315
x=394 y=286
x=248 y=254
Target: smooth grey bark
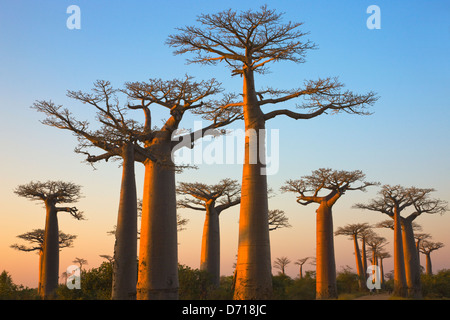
x=50 y=257
x=125 y=247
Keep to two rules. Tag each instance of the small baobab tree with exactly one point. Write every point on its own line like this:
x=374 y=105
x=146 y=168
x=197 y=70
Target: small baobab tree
x=336 y=183
x=281 y=263
x=213 y=200
x=419 y=238
x=36 y=240
x=248 y=42
x=393 y=201
x=158 y=252
x=52 y=193
x=117 y=138
x=300 y=263
x=353 y=231
x=427 y=247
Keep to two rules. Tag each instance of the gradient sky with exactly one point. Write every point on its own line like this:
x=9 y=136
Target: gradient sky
x=405 y=141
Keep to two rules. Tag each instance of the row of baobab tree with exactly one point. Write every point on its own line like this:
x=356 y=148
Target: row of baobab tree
x=247 y=42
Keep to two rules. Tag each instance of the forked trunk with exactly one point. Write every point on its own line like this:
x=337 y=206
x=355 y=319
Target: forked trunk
x=412 y=267
x=158 y=252
x=210 y=254
x=253 y=269
x=359 y=267
x=399 y=262
x=125 y=247
x=50 y=257
x=326 y=287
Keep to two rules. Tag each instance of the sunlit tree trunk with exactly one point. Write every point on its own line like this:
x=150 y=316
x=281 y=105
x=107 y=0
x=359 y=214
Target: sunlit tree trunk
x=210 y=253
x=412 y=267
x=359 y=266
x=50 y=258
x=399 y=262
x=364 y=255
x=158 y=252
x=125 y=247
x=253 y=269
x=326 y=287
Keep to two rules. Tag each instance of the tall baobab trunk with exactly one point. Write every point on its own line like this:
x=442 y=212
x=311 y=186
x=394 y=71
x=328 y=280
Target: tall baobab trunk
x=381 y=274
x=253 y=269
x=300 y=272
x=412 y=267
x=364 y=255
x=428 y=268
x=50 y=259
x=326 y=287
x=158 y=252
x=210 y=254
x=399 y=262
x=125 y=248
x=359 y=266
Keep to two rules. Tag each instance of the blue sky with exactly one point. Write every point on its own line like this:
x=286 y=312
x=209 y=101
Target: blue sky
x=405 y=141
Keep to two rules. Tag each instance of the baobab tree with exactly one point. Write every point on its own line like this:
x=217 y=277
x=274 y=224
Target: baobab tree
x=36 y=240
x=427 y=247
x=393 y=201
x=278 y=220
x=117 y=138
x=382 y=255
x=248 y=42
x=158 y=252
x=281 y=263
x=300 y=263
x=213 y=200
x=80 y=261
x=52 y=193
x=353 y=231
x=307 y=189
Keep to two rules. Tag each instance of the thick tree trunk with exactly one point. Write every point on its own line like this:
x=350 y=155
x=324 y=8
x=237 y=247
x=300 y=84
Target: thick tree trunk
x=359 y=266
x=253 y=269
x=364 y=255
x=41 y=255
x=210 y=254
x=125 y=248
x=158 y=252
x=399 y=262
x=50 y=258
x=428 y=269
x=326 y=287
x=412 y=267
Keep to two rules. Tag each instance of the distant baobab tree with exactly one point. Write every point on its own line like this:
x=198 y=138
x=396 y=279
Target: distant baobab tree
x=336 y=183
x=248 y=42
x=420 y=237
x=36 y=240
x=278 y=220
x=353 y=231
x=281 y=263
x=376 y=244
x=80 y=261
x=158 y=252
x=300 y=263
x=427 y=247
x=393 y=201
x=213 y=200
x=52 y=193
